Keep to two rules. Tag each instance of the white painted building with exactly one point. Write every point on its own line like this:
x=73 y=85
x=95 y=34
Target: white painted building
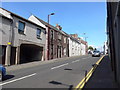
x=83 y=49
x=74 y=47
x=105 y=47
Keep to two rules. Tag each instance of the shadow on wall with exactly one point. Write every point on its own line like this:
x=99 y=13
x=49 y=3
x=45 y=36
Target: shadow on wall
x=30 y=53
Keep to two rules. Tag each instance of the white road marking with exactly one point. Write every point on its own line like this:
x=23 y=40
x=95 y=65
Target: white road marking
x=75 y=61
x=59 y=66
x=86 y=57
x=18 y=79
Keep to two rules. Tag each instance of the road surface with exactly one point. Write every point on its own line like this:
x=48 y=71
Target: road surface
x=61 y=74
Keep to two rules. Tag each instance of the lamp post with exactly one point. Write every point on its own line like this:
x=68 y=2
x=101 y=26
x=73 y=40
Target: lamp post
x=49 y=17
x=85 y=37
x=47 y=41
x=86 y=42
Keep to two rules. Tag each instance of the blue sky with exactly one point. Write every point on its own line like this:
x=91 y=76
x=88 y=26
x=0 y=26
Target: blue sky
x=74 y=17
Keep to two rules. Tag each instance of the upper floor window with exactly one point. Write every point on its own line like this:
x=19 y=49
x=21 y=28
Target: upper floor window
x=21 y=27
x=52 y=34
x=59 y=36
x=38 y=33
x=65 y=39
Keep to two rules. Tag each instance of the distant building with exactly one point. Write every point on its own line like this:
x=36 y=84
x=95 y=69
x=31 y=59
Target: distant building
x=83 y=47
x=74 y=47
x=105 y=47
x=84 y=44
x=22 y=40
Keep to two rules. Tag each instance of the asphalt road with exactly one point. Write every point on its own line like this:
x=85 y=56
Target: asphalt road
x=61 y=74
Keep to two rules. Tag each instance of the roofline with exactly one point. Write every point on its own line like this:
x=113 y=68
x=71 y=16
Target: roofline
x=74 y=39
x=5 y=17
x=22 y=18
x=51 y=26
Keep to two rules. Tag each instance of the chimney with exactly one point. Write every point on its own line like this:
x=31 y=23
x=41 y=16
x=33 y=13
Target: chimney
x=74 y=35
x=58 y=27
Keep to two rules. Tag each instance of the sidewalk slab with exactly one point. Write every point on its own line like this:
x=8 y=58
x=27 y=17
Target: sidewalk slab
x=103 y=76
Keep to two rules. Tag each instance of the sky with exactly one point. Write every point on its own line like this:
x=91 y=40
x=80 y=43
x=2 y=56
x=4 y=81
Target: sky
x=74 y=17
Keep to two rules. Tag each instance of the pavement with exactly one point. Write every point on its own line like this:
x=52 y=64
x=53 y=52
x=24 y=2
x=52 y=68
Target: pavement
x=103 y=77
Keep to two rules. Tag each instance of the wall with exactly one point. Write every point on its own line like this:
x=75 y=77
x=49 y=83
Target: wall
x=113 y=29
x=5 y=31
x=74 y=47
x=30 y=33
x=83 y=49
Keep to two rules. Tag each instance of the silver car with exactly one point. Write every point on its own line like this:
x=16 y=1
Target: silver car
x=96 y=53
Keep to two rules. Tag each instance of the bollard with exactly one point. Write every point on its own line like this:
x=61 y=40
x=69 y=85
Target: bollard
x=85 y=75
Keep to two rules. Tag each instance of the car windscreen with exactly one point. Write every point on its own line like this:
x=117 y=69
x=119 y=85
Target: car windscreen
x=96 y=51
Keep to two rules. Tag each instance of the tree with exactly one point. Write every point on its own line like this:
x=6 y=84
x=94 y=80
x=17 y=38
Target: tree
x=95 y=49
x=90 y=48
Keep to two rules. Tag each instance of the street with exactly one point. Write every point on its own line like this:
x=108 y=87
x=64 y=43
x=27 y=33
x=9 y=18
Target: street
x=59 y=74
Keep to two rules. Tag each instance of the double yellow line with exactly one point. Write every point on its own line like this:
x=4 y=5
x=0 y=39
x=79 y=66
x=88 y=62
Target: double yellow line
x=89 y=74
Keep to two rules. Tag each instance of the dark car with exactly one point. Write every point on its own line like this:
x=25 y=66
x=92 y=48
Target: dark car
x=2 y=72
x=96 y=53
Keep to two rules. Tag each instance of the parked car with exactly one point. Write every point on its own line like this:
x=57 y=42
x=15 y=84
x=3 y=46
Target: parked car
x=2 y=72
x=96 y=53
x=102 y=53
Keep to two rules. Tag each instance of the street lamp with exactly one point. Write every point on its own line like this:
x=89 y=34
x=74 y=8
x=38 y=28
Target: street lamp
x=48 y=35
x=85 y=36
x=86 y=39
x=49 y=17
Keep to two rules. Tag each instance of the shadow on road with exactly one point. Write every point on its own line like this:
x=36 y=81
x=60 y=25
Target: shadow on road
x=67 y=69
x=59 y=83
x=8 y=77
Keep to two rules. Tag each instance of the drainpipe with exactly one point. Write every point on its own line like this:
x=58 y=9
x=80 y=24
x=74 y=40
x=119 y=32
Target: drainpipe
x=8 y=48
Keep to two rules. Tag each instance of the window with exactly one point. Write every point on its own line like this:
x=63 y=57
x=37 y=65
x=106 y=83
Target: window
x=65 y=39
x=38 y=33
x=51 y=49
x=52 y=34
x=21 y=27
x=59 y=36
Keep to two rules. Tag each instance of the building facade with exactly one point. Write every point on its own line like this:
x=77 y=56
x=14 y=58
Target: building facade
x=74 y=47
x=84 y=45
x=56 y=40
x=113 y=33
x=22 y=40
x=105 y=47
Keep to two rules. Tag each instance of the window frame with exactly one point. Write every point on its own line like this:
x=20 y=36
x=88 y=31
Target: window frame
x=19 y=30
x=38 y=35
